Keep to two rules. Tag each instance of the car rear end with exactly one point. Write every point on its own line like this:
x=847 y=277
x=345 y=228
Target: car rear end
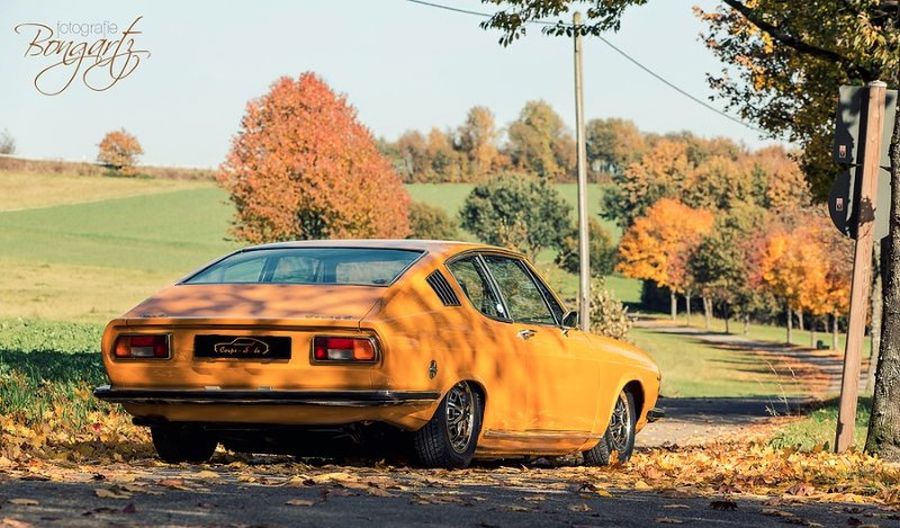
x=285 y=352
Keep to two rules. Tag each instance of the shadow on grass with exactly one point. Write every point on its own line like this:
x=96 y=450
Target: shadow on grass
x=53 y=367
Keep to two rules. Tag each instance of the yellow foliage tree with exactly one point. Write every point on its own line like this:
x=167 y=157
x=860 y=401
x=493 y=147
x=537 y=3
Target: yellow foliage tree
x=655 y=247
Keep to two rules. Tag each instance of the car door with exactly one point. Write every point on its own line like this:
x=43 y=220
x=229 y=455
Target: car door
x=561 y=398
x=491 y=340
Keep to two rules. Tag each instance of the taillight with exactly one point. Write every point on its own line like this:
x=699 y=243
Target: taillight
x=142 y=346
x=348 y=349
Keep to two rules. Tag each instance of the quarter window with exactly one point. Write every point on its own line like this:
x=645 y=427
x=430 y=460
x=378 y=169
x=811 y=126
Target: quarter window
x=523 y=297
x=474 y=284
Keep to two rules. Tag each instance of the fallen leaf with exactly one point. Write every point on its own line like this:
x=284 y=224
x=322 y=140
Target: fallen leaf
x=676 y=507
x=9 y=522
x=176 y=484
x=104 y=493
x=300 y=502
x=24 y=502
x=129 y=508
x=668 y=520
x=580 y=507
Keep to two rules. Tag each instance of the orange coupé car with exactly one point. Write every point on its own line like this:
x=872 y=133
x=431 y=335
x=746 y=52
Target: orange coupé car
x=462 y=347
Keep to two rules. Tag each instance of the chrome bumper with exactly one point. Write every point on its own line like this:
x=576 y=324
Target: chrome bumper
x=346 y=398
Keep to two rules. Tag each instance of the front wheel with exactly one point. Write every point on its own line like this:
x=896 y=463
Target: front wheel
x=176 y=443
x=449 y=439
x=617 y=443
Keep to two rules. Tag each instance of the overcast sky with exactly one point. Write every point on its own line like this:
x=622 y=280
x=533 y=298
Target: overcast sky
x=402 y=65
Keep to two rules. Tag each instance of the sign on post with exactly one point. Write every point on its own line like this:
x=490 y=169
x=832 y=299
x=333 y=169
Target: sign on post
x=849 y=134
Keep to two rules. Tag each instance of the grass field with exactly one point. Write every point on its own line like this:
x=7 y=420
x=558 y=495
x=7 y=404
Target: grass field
x=86 y=248
x=816 y=429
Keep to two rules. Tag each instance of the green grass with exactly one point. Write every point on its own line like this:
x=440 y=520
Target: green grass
x=49 y=367
x=817 y=428
x=692 y=368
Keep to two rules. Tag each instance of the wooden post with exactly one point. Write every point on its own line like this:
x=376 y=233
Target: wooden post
x=862 y=267
x=584 y=273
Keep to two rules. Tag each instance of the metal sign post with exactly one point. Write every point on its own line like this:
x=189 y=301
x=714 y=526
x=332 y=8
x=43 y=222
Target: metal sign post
x=862 y=262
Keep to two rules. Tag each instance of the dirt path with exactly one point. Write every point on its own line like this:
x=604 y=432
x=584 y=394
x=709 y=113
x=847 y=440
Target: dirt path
x=696 y=420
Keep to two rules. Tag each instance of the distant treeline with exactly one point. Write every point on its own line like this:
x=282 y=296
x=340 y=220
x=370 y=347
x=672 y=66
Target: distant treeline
x=536 y=142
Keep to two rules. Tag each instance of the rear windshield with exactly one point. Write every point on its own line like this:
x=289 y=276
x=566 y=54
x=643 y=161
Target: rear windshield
x=372 y=267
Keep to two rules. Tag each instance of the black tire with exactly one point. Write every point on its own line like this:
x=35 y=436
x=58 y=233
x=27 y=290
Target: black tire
x=440 y=443
x=616 y=445
x=175 y=444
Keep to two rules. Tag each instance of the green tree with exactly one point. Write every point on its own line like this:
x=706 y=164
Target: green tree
x=427 y=222
x=517 y=211
x=540 y=144
x=612 y=144
x=602 y=251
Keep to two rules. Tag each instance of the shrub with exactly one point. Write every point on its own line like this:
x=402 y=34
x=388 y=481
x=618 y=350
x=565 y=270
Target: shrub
x=7 y=143
x=609 y=317
x=519 y=212
x=602 y=251
x=119 y=151
x=427 y=222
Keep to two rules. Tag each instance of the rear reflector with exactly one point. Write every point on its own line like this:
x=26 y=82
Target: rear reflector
x=142 y=346
x=344 y=349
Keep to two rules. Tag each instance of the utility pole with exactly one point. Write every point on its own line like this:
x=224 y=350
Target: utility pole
x=584 y=274
x=862 y=265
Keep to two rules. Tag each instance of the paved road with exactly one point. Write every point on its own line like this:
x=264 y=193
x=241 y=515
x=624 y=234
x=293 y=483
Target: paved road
x=229 y=503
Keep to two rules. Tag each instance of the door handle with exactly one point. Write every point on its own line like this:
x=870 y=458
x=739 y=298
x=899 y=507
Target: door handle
x=526 y=334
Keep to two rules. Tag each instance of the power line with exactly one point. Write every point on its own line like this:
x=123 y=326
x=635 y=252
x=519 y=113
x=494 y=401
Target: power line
x=615 y=48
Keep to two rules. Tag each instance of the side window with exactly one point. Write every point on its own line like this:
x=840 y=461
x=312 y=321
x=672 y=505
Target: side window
x=246 y=271
x=523 y=297
x=475 y=285
x=555 y=307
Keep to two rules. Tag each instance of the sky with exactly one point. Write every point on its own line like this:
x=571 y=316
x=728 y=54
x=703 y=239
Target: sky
x=402 y=65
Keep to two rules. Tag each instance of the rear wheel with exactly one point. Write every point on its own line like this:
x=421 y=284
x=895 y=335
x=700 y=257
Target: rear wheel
x=617 y=443
x=180 y=443
x=449 y=439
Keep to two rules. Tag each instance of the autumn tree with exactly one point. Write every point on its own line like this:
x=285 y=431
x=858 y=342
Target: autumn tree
x=656 y=246
x=119 y=150
x=612 y=144
x=517 y=211
x=476 y=138
x=659 y=174
x=540 y=144
x=427 y=222
x=303 y=167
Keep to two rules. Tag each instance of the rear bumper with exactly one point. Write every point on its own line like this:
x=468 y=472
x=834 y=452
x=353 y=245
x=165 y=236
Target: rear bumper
x=347 y=398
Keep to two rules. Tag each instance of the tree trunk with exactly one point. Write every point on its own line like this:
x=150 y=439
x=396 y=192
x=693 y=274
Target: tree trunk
x=834 y=332
x=812 y=333
x=707 y=311
x=790 y=323
x=687 y=307
x=727 y=319
x=673 y=299
x=746 y=324
x=800 y=319
x=877 y=303
x=884 y=424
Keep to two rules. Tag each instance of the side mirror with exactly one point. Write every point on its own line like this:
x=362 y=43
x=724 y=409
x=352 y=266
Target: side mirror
x=570 y=320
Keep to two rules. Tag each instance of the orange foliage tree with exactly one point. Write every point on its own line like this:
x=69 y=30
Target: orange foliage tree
x=808 y=269
x=303 y=167
x=119 y=150
x=656 y=245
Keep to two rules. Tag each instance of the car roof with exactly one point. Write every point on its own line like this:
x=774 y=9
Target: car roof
x=442 y=247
